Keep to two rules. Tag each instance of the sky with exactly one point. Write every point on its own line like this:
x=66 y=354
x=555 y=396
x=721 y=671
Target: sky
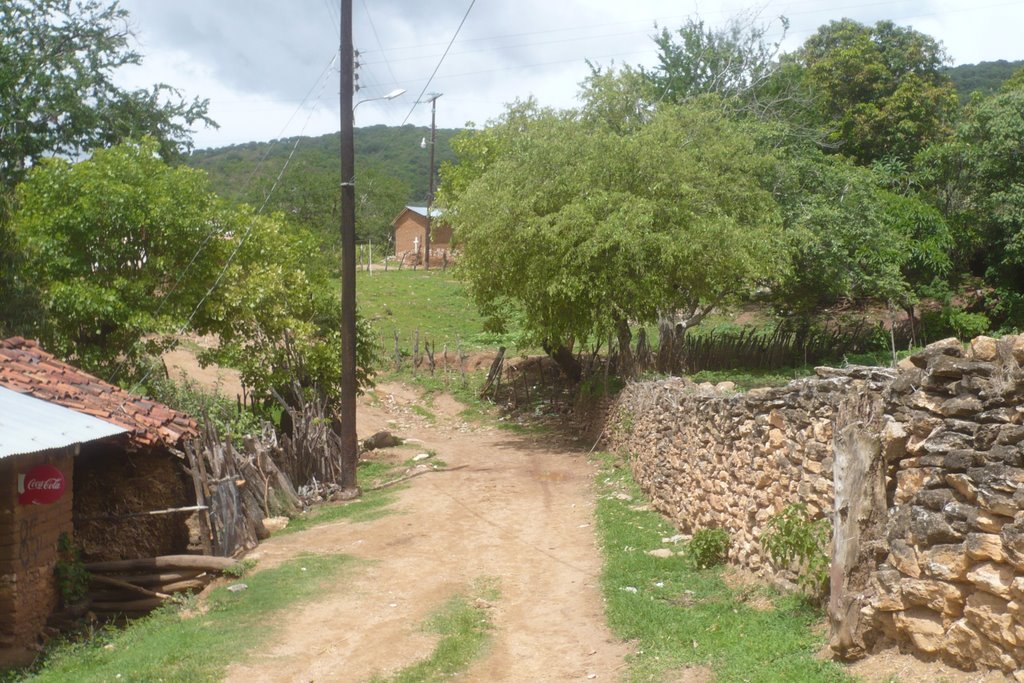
x=267 y=66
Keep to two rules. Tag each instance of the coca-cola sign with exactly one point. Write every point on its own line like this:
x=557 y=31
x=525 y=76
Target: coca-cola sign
x=41 y=485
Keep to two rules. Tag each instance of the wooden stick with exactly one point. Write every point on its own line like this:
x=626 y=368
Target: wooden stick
x=168 y=511
x=124 y=585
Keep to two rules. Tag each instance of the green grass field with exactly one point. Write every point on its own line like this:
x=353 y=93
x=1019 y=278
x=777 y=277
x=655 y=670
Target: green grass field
x=433 y=302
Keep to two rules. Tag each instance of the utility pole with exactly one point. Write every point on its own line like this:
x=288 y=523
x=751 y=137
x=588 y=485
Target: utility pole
x=432 y=98
x=347 y=416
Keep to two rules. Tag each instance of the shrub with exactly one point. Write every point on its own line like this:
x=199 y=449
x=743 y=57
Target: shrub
x=792 y=537
x=709 y=547
x=72 y=577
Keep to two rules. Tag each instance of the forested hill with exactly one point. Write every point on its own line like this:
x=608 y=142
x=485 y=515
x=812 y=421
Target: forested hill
x=390 y=151
x=983 y=77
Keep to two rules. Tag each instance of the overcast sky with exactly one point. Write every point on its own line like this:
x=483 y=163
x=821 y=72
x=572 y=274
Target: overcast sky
x=266 y=65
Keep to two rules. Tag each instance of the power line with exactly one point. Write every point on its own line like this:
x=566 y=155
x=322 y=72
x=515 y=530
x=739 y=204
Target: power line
x=373 y=26
x=440 y=62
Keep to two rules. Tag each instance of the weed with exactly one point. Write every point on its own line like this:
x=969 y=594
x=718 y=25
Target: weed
x=72 y=577
x=791 y=537
x=241 y=568
x=709 y=547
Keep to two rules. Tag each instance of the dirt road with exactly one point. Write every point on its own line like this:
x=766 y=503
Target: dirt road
x=519 y=511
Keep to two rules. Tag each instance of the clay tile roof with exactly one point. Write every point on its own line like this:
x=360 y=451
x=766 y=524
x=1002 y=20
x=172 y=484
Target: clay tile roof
x=27 y=369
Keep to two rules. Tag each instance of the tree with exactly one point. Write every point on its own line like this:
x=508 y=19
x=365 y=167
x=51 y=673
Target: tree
x=879 y=90
x=581 y=231
x=127 y=250
x=734 y=62
x=57 y=95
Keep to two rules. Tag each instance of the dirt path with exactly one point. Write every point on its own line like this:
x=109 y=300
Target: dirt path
x=520 y=511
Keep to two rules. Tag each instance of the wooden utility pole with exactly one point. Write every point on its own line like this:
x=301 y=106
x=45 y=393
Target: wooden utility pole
x=432 y=98
x=347 y=416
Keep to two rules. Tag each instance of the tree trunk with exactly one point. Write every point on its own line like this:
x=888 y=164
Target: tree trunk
x=625 y=339
x=566 y=362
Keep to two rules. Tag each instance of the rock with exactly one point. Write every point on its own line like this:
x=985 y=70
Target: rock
x=989 y=615
x=894 y=441
x=984 y=349
x=1012 y=536
x=912 y=480
x=661 y=552
x=963 y=485
x=965 y=644
x=726 y=386
x=383 y=439
x=946 y=562
x=930 y=528
x=938 y=596
x=990 y=523
x=237 y=587
x=1016 y=346
x=985 y=547
x=275 y=524
x=960 y=406
x=903 y=557
x=420 y=457
x=934 y=499
x=945 y=347
x=922 y=627
x=992 y=578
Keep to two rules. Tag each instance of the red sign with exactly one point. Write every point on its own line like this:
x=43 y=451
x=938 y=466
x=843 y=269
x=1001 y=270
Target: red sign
x=41 y=485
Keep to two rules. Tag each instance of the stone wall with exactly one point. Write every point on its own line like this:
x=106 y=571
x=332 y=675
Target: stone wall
x=28 y=554
x=921 y=471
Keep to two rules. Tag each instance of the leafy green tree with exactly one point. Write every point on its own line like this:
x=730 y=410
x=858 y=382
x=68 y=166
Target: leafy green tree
x=977 y=180
x=57 y=95
x=582 y=230
x=879 y=90
x=126 y=250
x=735 y=62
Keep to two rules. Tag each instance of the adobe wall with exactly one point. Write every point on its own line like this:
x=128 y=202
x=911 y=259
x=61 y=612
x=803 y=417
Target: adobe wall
x=925 y=467
x=28 y=554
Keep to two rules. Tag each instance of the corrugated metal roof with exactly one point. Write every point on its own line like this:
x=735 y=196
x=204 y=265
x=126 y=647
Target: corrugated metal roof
x=30 y=425
x=422 y=210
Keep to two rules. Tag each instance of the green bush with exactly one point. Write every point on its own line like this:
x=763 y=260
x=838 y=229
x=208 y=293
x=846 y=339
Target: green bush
x=709 y=547
x=72 y=577
x=222 y=411
x=791 y=537
x=950 y=321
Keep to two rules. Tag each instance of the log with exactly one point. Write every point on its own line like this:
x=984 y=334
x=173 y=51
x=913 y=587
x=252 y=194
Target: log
x=143 y=605
x=207 y=562
x=162 y=578
x=124 y=585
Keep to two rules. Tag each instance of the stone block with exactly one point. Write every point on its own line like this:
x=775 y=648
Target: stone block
x=910 y=481
x=985 y=547
x=947 y=562
x=1012 y=536
x=903 y=557
x=984 y=349
x=923 y=628
x=946 y=347
x=963 y=485
x=989 y=522
x=938 y=596
x=989 y=614
x=992 y=578
x=930 y=528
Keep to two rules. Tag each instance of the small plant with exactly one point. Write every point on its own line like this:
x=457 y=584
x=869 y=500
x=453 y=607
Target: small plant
x=240 y=568
x=72 y=577
x=792 y=537
x=709 y=547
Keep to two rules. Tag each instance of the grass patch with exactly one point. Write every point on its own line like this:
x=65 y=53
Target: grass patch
x=681 y=615
x=166 y=646
x=465 y=629
x=368 y=507
x=423 y=412
x=433 y=302
x=753 y=379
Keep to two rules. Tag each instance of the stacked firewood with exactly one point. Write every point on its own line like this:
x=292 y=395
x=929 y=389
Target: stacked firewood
x=136 y=587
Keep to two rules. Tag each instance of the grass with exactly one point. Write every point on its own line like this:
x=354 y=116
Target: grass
x=433 y=302
x=753 y=379
x=679 y=615
x=167 y=646
x=368 y=507
x=464 y=627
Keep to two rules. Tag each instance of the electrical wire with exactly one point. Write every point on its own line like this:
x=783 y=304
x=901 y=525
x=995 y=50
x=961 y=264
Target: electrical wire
x=440 y=62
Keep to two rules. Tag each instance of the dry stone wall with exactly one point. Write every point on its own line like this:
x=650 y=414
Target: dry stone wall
x=921 y=470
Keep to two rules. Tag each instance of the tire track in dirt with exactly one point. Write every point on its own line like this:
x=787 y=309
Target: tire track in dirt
x=520 y=511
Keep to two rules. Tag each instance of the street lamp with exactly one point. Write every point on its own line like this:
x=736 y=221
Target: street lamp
x=397 y=92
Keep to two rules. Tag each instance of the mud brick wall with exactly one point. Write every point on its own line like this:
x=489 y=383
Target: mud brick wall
x=925 y=465
x=28 y=554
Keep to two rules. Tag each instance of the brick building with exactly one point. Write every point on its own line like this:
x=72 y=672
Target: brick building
x=411 y=232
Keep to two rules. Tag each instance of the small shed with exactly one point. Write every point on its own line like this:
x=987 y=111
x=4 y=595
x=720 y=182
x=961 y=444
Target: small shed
x=116 y=480
x=411 y=232
x=38 y=442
